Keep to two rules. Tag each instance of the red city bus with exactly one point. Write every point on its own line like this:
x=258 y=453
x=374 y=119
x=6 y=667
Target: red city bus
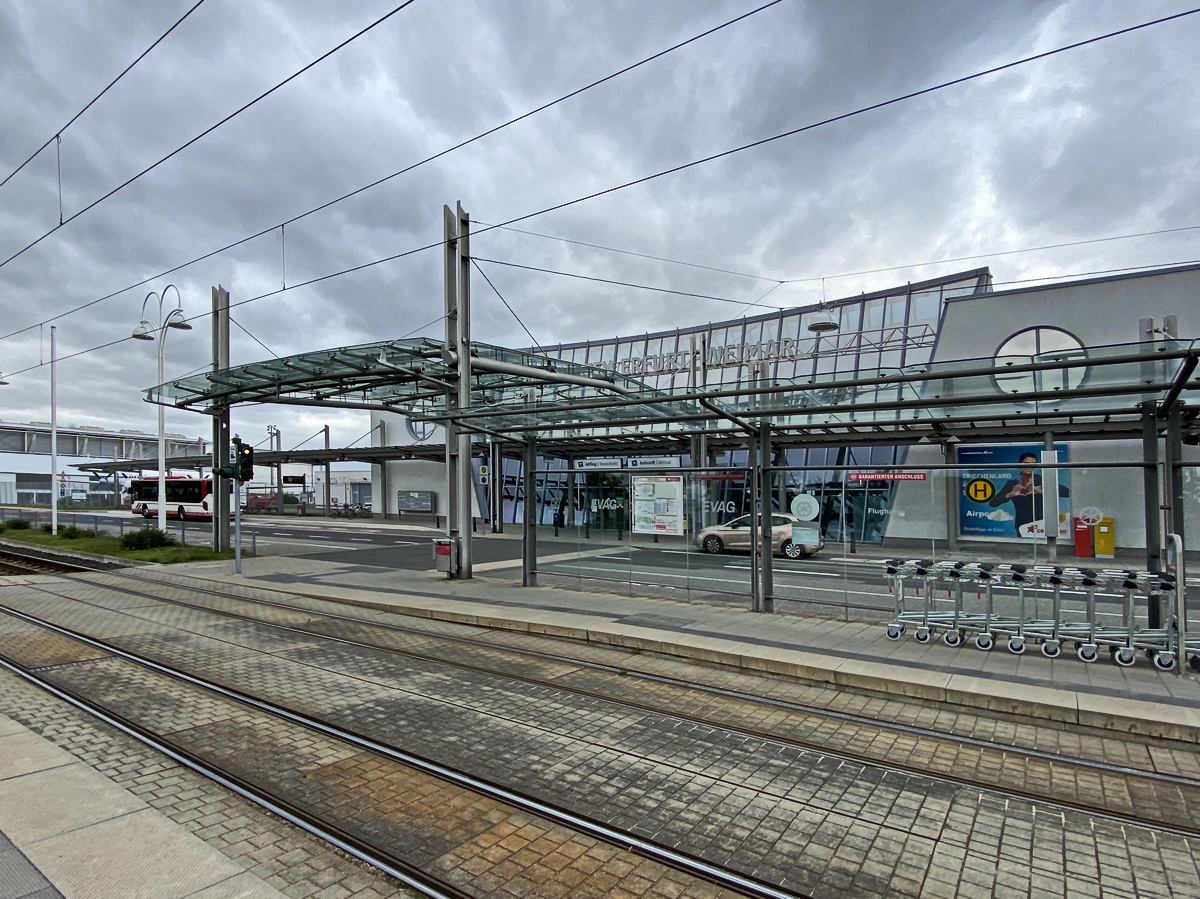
x=187 y=498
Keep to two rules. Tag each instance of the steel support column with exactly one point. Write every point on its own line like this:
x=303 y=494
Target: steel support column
x=458 y=352
x=220 y=422
x=381 y=503
x=327 y=493
x=1173 y=470
x=1049 y=493
x=462 y=254
x=754 y=485
x=952 y=480
x=496 y=494
x=1151 y=488
x=763 y=600
x=529 y=519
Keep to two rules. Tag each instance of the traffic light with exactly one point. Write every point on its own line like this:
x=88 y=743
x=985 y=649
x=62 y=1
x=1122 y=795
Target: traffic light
x=245 y=461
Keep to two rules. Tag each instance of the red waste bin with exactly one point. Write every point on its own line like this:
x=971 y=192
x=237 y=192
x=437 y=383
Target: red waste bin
x=1083 y=538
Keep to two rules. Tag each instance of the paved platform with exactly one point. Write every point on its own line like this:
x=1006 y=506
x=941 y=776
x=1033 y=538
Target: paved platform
x=1140 y=699
x=66 y=830
x=69 y=828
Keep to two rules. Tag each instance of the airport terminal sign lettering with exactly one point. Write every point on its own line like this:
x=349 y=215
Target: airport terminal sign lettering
x=717 y=357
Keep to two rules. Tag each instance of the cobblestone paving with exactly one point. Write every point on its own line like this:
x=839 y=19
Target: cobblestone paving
x=839 y=829
x=290 y=860
x=466 y=838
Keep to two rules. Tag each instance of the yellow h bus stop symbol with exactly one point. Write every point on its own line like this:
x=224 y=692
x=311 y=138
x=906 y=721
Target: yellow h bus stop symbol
x=980 y=490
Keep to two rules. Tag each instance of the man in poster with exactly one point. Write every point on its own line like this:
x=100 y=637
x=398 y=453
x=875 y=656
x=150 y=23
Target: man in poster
x=1025 y=494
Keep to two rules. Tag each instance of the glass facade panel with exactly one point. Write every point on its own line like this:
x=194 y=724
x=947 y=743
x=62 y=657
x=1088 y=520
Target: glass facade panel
x=873 y=315
x=926 y=308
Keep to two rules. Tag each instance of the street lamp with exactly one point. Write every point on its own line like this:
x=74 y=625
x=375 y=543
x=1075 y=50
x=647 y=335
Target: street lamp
x=147 y=330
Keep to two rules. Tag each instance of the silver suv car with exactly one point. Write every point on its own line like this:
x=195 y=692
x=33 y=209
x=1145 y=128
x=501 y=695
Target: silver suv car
x=735 y=534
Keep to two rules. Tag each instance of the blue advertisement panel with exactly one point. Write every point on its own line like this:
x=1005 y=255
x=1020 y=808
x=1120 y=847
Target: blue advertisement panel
x=999 y=502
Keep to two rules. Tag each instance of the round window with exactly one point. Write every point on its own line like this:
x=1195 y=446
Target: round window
x=1040 y=344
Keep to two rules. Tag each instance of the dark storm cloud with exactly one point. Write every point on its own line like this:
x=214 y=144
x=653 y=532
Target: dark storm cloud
x=1088 y=144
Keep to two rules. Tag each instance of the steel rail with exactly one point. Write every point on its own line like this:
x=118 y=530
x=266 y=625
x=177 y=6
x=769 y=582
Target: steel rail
x=842 y=754
x=848 y=717
x=693 y=865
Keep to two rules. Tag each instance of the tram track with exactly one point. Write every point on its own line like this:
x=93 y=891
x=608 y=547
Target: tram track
x=352 y=840
x=616 y=694
x=1139 y=801
x=15 y=562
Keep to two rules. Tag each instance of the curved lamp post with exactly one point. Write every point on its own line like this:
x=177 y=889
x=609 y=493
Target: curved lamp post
x=148 y=330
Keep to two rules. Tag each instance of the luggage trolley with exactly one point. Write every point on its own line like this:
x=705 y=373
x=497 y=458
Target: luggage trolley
x=1125 y=640
x=1050 y=630
x=924 y=570
x=986 y=578
x=1085 y=634
x=1018 y=576
x=955 y=621
x=895 y=572
x=1160 y=643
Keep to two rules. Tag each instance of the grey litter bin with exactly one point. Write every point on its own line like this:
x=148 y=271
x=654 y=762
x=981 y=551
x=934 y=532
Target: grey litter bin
x=445 y=554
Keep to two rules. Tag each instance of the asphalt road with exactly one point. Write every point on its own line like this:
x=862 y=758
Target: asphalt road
x=828 y=579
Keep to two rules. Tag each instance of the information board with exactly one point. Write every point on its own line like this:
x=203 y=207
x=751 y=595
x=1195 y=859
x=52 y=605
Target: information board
x=658 y=505
x=416 y=501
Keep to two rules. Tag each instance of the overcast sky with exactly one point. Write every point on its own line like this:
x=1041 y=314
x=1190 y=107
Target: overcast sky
x=1092 y=143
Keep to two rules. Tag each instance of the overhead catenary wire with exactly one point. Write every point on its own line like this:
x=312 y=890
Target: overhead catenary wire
x=63 y=222
x=480 y=136
x=779 y=282
x=1059 y=277
x=57 y=136
x=675 y=169
x=597 y=279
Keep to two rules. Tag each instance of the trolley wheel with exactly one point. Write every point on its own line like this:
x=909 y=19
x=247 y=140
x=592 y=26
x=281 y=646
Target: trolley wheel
x=894 y=631
x=1016 y=645
x=1087 y=652
x=1051 y=649
x=922 y=635
x=182 y=513
x=713 y=544
x=1164 y=661
x=146 y=513
x=1124 y=656
x=952 y=638
x=984 y=641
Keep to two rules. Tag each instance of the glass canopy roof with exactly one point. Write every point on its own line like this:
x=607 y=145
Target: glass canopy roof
x=1085 y=391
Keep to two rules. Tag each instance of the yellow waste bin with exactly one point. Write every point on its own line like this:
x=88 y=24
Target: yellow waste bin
x=1106 y=538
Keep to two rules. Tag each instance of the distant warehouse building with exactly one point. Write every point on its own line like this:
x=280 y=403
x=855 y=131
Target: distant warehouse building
x=25 y=456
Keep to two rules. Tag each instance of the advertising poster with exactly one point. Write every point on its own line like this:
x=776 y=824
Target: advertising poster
x=1011 y=502
x=658 y=505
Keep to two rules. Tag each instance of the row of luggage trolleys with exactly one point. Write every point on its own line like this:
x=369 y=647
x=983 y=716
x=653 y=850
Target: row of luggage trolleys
x=936 y=592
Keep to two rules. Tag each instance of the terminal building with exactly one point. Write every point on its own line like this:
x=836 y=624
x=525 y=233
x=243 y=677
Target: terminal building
x=960 y=318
